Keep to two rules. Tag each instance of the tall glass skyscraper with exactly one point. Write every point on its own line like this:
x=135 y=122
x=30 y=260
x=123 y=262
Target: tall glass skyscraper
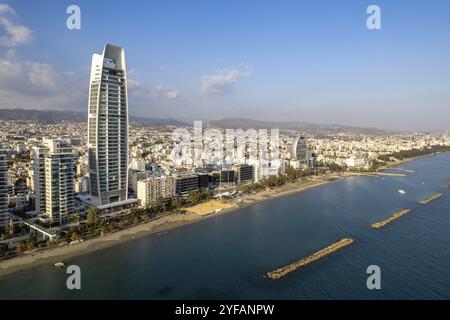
x=300 y=150
x=3 y=189
x=108 y=127
x=38 y=164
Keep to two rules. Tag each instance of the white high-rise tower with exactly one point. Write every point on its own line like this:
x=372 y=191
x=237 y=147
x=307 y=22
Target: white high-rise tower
x=53 y=177
x=59 y=180
x=3 y=189
x=108 y=127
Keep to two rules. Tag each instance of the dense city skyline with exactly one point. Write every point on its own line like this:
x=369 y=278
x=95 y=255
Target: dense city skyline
x=306 y=62
x=224 y=150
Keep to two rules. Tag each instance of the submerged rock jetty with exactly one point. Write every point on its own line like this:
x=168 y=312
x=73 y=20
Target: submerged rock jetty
x=281 y=272
x=431 y=198
x=391 y=218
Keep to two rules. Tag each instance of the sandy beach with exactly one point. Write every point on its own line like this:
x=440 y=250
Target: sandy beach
x=209 y=207
x=165 y=223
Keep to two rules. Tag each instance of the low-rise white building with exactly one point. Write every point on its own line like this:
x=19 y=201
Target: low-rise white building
x=355 y=162
x=153 y=188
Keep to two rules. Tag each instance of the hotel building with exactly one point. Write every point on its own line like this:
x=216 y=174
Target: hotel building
x=108 y=128
x=3 y=189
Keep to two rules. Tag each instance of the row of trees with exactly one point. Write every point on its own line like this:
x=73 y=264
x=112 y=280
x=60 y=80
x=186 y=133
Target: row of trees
x=405 y=154
x=269 y=182
x=249 y=188
x=199 y=196
x=3 y=248
x=96 y=225
x=292 y=175
x=29 y=244
x=12 y=230
x=376 y=164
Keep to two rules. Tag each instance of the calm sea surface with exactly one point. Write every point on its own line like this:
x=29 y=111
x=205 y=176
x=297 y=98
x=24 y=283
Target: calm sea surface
x=227 y=256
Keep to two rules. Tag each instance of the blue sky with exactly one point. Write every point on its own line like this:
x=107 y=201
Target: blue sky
x=312 y=61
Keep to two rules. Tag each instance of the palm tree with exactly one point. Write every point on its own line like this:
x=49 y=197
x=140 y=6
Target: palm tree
x=11 y=228
x=92 y=216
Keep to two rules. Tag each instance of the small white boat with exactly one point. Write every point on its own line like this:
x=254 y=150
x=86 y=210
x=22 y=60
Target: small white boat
x=59 y=264
x=402 y=191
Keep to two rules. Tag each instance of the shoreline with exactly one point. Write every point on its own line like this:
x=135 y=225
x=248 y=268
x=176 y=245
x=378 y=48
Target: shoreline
x=160 y=225
x=167 y=223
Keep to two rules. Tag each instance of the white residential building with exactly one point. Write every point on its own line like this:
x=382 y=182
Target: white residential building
x=152 y=188
x=53 y=177
x=38 y=164
x=3 y=189
x=59 y=181
x=108 y=128
x=355 y=162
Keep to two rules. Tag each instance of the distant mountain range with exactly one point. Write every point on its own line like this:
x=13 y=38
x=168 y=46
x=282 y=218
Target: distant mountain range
x=47 y=116
x=235 y=123
x=53 y=116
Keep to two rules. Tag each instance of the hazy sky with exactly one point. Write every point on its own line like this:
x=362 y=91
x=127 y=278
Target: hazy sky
x=312 y=61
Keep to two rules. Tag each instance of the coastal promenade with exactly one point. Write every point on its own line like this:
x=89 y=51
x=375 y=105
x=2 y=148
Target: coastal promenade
x=165 y=223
